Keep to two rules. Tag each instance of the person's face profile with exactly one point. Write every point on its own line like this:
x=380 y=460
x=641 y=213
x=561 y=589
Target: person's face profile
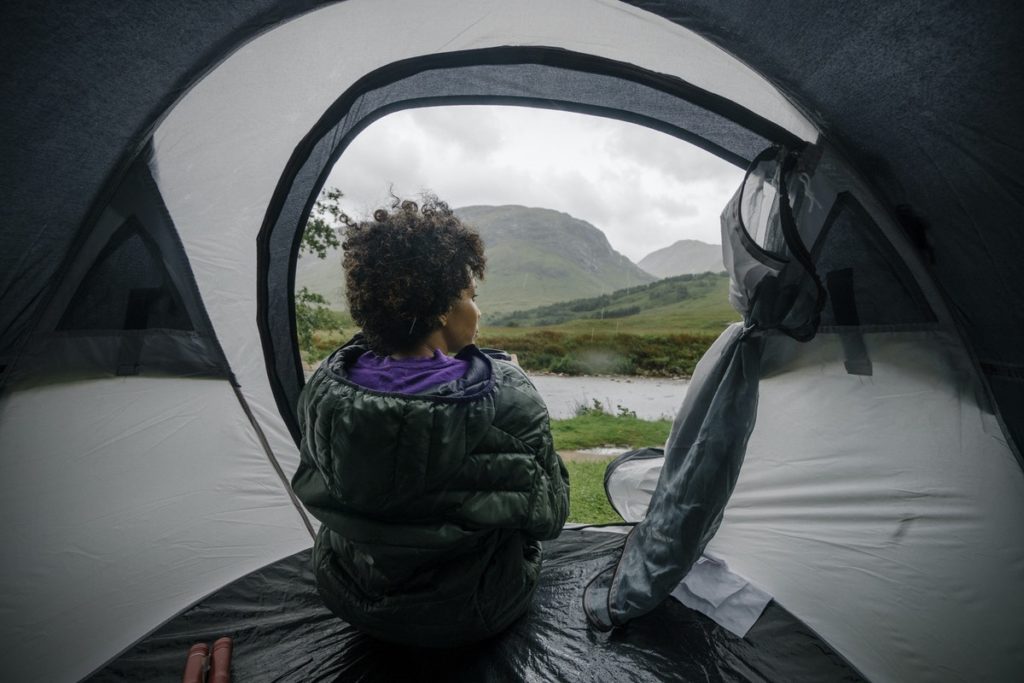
x=462 y=322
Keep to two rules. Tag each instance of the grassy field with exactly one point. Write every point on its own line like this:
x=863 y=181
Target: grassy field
x=656 y=341
x=569 y=352
x=588 y=503
x=660 y=340
x=592 y=430
x=593 y=427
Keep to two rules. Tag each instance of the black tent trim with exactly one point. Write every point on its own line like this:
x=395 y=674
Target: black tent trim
x=284 y=366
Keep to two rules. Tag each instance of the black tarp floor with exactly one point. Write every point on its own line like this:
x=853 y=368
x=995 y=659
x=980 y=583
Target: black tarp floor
x=282 y=632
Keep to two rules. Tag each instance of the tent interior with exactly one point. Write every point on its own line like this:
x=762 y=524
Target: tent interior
x=161 y=163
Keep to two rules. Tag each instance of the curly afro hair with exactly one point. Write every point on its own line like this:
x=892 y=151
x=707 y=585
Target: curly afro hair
x=406 y=268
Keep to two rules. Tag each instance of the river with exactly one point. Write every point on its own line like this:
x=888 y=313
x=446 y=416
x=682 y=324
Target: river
x=650 y=398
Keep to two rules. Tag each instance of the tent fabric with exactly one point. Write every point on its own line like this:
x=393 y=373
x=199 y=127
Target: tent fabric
x=124 y=501
x=126 y=304
x=920 y=113
x=928 y=105
x=896 y=486
x=774 y=286
x=849 y=70
x=219 y=153
x=282 y=632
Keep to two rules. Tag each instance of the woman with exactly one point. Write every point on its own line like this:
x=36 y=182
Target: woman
x=434 y=475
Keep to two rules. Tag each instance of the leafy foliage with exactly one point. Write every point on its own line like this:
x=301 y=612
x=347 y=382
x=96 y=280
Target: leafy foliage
x=322 y=234
x=323 y=229
x=311 y=315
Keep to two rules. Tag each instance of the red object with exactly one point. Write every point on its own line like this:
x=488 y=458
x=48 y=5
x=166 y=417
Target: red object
x=195 y=666
x=220 y=668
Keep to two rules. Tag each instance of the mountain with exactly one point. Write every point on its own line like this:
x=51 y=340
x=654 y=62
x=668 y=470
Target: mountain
x=540 y=256
x=534 y=257
x=685 y=256
x=323 y=276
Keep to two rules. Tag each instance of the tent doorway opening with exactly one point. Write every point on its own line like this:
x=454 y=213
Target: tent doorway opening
x=604 y=276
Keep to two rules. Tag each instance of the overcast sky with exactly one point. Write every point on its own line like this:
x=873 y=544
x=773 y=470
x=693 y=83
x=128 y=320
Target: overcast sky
x=644 y=189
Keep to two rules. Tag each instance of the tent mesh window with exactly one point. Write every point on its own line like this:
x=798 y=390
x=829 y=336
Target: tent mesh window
x=128 y=288
x=868 y=283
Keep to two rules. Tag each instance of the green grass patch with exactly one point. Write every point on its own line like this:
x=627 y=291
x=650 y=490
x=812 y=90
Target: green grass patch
x=588 y=503
x=593 y=430
x=600 y=353
x=593 y=427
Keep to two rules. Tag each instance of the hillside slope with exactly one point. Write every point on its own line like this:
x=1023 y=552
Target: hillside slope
x=539 y=256
x=534 y=257
x=692 y=303
x=682 y=257
x=323 y=276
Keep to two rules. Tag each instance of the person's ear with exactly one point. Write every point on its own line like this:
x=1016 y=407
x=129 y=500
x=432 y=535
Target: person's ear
x=444 y=320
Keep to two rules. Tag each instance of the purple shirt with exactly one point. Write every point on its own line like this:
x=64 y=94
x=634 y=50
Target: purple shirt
x=408 y=375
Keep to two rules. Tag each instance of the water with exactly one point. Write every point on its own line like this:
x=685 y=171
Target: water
x=649 y=398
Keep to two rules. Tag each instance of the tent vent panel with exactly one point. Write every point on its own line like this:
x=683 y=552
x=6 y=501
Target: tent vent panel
x=881 y=291
x=126 y=302
x=127 y=289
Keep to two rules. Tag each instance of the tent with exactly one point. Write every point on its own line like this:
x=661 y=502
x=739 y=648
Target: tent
x=159 y=162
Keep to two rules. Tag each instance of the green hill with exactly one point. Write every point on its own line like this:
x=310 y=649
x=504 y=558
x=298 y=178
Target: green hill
x=682 y=257
x=540 y=256
x=323 y=276
x=659 y=329
x=534 y=257
x=692 y=303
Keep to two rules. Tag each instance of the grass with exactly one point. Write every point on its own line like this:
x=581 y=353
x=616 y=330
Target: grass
x=588 y=503
x=594 y=429
x=659 y=340
x=601 y=353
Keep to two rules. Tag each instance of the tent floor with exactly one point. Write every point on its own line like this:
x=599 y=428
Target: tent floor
x=282 y=632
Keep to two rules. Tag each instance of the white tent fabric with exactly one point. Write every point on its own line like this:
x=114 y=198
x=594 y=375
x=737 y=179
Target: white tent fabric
x=882 y=510
x=125 y=501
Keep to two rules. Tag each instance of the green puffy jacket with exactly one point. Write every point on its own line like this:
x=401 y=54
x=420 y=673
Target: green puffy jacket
x=432 y=506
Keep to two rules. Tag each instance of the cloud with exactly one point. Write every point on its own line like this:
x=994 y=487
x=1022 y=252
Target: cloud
x=646 y=148
x=643 y=188
x=469 y=131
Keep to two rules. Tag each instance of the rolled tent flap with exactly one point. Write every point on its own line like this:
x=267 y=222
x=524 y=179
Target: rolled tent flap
x=775 y=287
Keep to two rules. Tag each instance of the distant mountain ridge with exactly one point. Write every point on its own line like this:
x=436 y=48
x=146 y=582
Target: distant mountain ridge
x=540 y=256
x=534 y=257
x=682 y=258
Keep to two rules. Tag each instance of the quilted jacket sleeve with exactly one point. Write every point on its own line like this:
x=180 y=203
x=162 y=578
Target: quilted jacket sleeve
x=550 y=506
x=549 y=493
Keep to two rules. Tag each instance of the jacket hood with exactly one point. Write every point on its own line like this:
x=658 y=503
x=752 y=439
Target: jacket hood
x=392 y=453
